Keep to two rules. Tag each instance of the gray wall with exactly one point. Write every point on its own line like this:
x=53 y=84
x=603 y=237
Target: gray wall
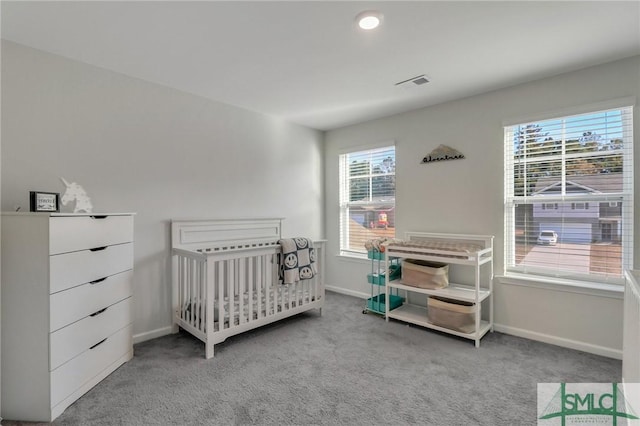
x=466 y=196
x=140 y=147
x=164 y=154
x=0 y=227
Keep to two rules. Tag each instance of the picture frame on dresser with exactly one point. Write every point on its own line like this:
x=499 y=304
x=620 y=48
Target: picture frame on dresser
x=40 y=201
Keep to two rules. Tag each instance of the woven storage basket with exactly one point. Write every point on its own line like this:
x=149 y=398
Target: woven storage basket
x=453 y=314
x=424 y=274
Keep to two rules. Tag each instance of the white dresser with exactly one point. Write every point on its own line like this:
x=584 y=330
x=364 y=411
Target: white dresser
x=66 y=307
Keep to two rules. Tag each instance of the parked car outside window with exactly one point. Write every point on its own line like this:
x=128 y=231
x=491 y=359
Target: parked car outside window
x=548 y=238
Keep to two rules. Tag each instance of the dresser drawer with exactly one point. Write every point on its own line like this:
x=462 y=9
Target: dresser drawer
x=71 y=269
x=72 y=233
x=76 y=303
x=75 y=338
x=71 y=376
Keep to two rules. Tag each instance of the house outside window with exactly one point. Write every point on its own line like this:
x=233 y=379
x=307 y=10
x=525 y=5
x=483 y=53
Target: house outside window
x=367 y=198
x=583 y=165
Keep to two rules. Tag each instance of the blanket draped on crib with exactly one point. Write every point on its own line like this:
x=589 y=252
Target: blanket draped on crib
x=297 y=261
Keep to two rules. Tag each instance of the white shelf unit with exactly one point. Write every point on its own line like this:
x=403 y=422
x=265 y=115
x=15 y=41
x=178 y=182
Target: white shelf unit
x=442 y=248
x=380 y=269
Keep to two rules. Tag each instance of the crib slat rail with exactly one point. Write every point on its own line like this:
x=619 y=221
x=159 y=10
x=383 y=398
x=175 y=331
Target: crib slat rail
x=190 y=270
x=218 y=294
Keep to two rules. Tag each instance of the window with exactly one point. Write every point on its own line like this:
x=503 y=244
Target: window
x=367 y=197
x=583 y=164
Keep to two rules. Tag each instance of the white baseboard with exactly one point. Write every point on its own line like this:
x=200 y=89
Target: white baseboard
x=348 y=292
x=559 y=341
x=514 y=331
x=148 y=335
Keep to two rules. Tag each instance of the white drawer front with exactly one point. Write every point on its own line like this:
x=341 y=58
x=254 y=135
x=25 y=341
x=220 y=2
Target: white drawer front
x=72 y=233
x=76 y=303
x=76 y=338
x=71 y=269
x=72 y=375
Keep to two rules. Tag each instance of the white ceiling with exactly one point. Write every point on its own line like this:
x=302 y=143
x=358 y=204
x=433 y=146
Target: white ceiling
x=307 y=63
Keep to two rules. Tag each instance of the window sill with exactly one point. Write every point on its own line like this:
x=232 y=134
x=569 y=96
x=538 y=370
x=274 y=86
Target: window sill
x=614 y=291
x=358 y=258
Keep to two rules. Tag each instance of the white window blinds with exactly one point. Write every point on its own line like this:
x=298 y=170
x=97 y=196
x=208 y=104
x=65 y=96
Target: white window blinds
x=367 y=197
x=569 y=196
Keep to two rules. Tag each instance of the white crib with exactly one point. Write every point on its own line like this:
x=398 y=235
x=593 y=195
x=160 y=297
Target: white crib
x=225 y=278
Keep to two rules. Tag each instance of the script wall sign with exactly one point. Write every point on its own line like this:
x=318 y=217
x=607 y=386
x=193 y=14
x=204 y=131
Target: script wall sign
x=442 y=153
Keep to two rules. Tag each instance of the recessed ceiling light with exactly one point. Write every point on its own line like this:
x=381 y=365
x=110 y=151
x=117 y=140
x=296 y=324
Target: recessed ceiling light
x=369 y=19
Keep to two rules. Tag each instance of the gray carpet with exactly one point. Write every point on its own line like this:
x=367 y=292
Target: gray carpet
x=341 y=368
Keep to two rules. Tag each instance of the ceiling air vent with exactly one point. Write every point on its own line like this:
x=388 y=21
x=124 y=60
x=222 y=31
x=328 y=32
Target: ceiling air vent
x=414 y=81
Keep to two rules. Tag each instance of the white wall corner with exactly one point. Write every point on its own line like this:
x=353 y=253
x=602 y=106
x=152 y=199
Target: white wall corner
x=153 y=334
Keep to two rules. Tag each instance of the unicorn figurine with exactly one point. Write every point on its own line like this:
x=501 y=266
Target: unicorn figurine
x=75 y=192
